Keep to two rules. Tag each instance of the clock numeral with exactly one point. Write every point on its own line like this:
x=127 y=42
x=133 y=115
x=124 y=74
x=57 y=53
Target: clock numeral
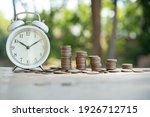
x=35 y=59
x=35 y=35
x=27 y=33
x=16 y=41
x=15 y=54
x=12 y=47
x=21 y=35
x=28 y=61
x=41 y=54
x=21 y=59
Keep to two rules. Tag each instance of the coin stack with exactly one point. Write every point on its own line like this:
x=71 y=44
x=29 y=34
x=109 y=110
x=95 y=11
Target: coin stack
x=95 y=62
x=127 y=67
x=81 y=60
x=111 y=64
x=66 y=57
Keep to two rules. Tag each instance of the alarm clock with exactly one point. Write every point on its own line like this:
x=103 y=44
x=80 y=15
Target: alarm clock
x=27 y=45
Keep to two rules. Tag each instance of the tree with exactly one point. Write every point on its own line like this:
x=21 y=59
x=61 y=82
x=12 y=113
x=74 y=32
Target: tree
x=144 y=39
x=111 y=52
x=96 y=26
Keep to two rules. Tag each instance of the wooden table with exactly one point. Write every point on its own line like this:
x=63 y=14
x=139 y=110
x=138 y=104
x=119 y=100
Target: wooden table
x=74 y=86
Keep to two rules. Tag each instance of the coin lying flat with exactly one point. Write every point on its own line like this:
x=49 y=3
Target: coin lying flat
x=137 y=70
x=92 y=72
x=126 y=70
x=75 y=71
x=60 y=72
x=114 y=71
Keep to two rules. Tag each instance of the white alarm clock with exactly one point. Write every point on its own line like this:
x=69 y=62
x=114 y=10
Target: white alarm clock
x=27 y=45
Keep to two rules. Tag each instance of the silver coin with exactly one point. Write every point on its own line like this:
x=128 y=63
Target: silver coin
x=60 y=72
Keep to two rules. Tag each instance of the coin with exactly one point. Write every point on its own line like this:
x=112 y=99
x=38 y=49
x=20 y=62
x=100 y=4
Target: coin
x=75 y=71
x=111 y=64
x=95 y=62
x=126 y=70
x=137 y=70
x=111 y=60
x=92 y=72
x=114 y=71
x=81 y=54
x=66 y=57
x=127 y=66
x=81 y=60
x=60 y=72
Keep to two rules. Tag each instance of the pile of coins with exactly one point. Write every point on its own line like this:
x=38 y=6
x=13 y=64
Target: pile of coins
x=66 y=57
x=95 y=62
x=127 y=67
x=111 y=64
x=81 y=60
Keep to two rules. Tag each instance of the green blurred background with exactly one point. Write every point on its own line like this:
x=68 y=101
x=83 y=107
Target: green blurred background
x=108 y=28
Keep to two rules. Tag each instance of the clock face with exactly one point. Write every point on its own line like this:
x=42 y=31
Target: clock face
x=28 y=47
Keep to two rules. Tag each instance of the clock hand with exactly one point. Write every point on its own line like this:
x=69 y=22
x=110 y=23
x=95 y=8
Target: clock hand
x=27 y=47
x=34 y=43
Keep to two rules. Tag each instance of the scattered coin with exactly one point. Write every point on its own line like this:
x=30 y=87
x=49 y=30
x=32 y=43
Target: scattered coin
x=75 y=71
x=137 y=70
x=126 y=70
x=54 y=68
x=106 y=72
x=92 y=72
x=60 y=72
x=114 y=71
x=49 y=70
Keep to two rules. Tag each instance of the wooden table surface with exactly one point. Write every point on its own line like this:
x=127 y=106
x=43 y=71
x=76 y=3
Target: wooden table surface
x=74 y=86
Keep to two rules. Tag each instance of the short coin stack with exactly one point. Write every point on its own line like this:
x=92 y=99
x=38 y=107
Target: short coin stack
x=127 y=67
x=66 y=57
x=111 y=64
x=95 y=62
x=81 y=60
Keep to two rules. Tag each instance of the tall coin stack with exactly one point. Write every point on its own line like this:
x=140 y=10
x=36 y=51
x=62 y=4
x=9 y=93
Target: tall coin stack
x=81 y=60
x=111 y=64
x=95 y=62
x=66 y=57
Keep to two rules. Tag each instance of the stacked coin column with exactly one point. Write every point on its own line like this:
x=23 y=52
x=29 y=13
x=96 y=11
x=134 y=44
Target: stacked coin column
x=111 y=64
x=66 y=57
x=81 y=60
x=95 y=62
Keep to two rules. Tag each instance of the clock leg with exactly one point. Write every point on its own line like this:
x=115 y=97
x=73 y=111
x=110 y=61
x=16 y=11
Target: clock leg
x=14 y=68
x=41 y=67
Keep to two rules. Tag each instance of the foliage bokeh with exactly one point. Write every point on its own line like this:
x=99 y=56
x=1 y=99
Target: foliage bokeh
x=73 y=27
